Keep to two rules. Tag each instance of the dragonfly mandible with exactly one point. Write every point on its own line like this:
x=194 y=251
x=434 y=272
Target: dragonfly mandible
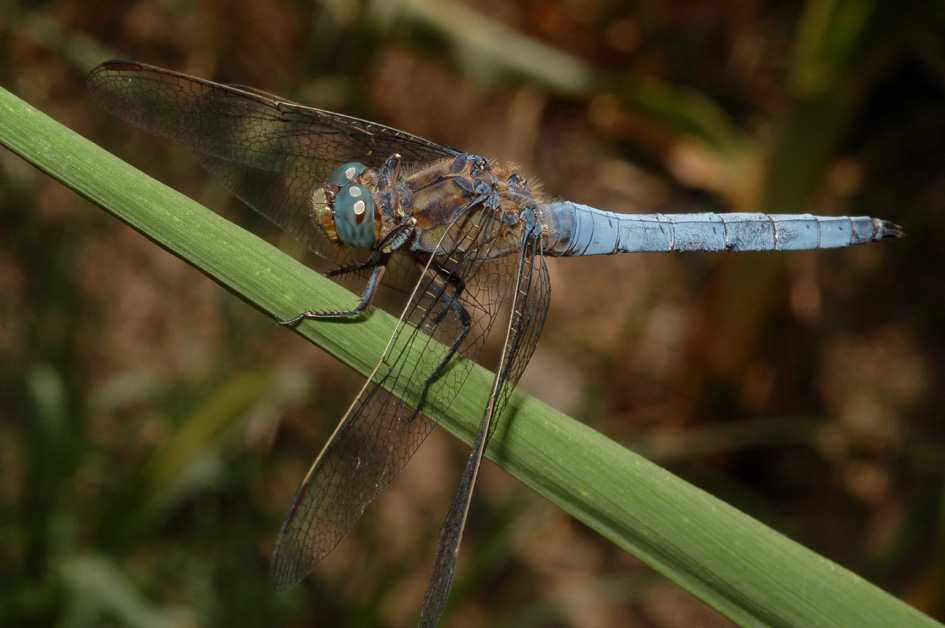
x=468 y=234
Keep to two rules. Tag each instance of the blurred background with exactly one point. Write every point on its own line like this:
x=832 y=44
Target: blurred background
x=154 y=428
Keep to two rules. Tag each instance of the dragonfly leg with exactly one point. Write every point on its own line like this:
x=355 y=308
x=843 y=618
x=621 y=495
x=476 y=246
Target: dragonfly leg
x=341 y=271
x=391 y=242
x=366 y=297
x=450 y=303
x=377 y=259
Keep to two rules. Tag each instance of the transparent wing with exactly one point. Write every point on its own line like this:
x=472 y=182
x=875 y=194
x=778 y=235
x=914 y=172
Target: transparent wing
x=530 y=300
x=451 y=310
x=272 y=153
x=268 y=151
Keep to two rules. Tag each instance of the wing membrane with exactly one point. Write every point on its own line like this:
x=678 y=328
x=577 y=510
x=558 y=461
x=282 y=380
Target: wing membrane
x=249 y=126
x=272 y=154
x=269 y=152
x=532 y=295
x=453 y=307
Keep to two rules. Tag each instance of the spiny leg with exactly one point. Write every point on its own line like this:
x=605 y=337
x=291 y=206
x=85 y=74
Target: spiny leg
x=450 y=303
x=367 y=296
x=529 y=306
x=391 y=242
x=342 y=271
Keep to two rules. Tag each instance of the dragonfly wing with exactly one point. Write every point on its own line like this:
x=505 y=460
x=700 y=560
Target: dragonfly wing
x=285 y=199
x=449 y=314
x=269 y=152
x=247 y=125
x=529 y=306
x=368 y=449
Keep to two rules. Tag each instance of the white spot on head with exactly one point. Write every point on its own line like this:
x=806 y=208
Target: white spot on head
x=350 y=172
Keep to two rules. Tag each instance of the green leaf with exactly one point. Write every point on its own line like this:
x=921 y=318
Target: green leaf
x=747 y=571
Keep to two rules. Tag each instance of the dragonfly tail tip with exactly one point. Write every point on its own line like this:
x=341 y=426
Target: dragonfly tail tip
x=886 y=230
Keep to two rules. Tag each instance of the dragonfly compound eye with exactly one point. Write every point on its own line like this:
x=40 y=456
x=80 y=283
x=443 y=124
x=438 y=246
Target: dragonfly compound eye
x=354 y=216
x=345 y=173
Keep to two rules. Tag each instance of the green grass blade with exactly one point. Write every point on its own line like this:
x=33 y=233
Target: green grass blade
x=747 y=571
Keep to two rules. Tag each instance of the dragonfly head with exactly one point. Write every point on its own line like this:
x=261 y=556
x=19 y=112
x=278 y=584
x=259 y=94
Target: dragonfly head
x=345 y=208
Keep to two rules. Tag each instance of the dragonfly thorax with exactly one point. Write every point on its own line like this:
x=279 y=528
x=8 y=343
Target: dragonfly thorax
x=463 y=204
x=435 y=208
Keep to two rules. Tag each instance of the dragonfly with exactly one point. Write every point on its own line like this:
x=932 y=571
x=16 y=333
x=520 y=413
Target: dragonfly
x=463 y=238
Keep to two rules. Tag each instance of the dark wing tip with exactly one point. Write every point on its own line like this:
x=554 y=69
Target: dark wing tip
x=122 y=64
x=116 y=65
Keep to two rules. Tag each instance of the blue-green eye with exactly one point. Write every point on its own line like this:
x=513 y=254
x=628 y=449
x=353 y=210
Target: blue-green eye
x=345 y=173
x=354 y=216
